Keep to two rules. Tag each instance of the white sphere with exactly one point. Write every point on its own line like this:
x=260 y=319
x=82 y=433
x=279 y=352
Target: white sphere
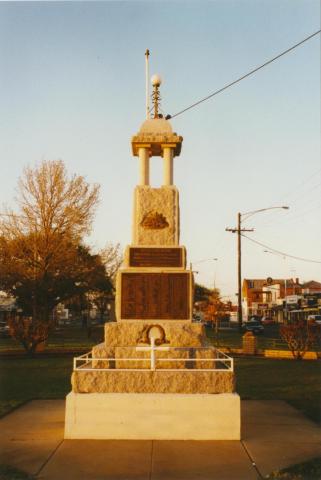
x=156 y=80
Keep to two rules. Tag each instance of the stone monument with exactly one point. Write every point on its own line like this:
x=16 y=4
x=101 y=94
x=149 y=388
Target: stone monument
x=154 y=377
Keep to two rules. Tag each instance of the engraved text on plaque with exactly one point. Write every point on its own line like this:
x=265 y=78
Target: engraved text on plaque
x=163 y=296
x=155 y=257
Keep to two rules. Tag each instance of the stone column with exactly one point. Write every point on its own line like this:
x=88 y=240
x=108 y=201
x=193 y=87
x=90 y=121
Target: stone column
x=168 y=165
x=143 y=154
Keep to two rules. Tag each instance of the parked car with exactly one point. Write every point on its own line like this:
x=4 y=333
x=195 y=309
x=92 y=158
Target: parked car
x=315 y=319
x=254 y=327
x=255 y=318
x=197 y=317
x=4 y=330
x=267 y=321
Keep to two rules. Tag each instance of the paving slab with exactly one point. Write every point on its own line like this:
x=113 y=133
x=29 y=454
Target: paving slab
x=31 y=433
x=100 y=460
x=271 y=412
x=201 y=460
x=270 y=457
x=293 y=433
x=276 y=435
x=26 y=456
x=36 y=418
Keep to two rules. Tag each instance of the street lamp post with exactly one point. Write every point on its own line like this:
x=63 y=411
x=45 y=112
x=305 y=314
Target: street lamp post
x=239 y=231
x=201 y=261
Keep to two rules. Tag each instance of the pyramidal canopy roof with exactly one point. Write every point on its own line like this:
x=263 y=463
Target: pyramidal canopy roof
x=155 y=134
x=156 y=126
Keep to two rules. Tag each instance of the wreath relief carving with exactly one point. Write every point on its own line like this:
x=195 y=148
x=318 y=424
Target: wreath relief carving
x=158 y=332
x=154 y=221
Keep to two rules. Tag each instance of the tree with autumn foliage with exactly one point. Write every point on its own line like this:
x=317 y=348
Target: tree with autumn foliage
x=201 y=293
x=43 y=260
x=215 y=309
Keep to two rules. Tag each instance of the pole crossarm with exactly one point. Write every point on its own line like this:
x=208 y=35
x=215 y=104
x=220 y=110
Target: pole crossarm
x=234 y=230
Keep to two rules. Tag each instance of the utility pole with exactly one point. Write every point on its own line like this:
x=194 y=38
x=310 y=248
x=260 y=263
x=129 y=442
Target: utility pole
x=239 y=230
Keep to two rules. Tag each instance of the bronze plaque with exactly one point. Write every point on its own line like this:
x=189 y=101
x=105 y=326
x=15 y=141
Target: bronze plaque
x=156 y=257
x=163 y=296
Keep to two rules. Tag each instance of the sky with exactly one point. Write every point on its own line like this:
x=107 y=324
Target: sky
x=72 y=87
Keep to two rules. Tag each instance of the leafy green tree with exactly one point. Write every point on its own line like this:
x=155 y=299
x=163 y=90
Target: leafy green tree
x=85 y=273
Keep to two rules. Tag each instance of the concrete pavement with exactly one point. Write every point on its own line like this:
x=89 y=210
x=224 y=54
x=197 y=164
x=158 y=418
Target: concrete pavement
x=274 y=435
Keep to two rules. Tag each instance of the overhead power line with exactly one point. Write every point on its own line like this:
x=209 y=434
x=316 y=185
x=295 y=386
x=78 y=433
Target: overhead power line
x=294 y=190
x=281 y=253
x=245 y=76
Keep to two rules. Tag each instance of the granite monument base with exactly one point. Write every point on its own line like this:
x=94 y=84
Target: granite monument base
x=152 y=416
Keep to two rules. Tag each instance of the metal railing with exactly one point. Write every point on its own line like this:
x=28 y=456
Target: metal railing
x=220 y=361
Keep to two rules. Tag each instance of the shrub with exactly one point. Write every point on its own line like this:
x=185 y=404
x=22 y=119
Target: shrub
x=299 y=337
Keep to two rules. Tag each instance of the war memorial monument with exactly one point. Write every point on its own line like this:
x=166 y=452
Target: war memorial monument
x=154 y=376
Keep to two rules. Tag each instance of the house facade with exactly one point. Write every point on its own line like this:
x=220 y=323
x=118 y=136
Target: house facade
x=281 y=299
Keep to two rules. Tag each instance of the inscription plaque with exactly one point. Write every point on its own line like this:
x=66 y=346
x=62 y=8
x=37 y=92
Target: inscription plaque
x=163 y=296
x=155 y=257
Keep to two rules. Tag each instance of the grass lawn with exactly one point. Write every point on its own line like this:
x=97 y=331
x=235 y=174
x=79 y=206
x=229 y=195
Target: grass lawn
x=310 y=470
x=233 y=338
x=296 y=382
x=270 y=340
x=24 y=378
x=68 y=337
x=10 y=473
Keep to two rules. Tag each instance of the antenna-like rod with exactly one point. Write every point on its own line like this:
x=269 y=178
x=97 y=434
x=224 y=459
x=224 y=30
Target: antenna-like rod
x=156 y=98
x=147 y=83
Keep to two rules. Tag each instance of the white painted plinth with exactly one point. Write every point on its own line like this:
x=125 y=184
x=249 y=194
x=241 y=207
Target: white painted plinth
x=153 y=416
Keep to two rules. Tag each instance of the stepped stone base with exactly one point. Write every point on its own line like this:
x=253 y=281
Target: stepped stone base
x=117 y=354
x=152 y=416
x=148 y=381
x=127 y=333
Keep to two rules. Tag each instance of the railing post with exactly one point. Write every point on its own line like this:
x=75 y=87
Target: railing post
x=152 y=354
x=219 y=358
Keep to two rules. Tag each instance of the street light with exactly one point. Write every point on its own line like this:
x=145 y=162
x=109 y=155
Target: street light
x=249 y=214
x=201 y=261
x=239 y=231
